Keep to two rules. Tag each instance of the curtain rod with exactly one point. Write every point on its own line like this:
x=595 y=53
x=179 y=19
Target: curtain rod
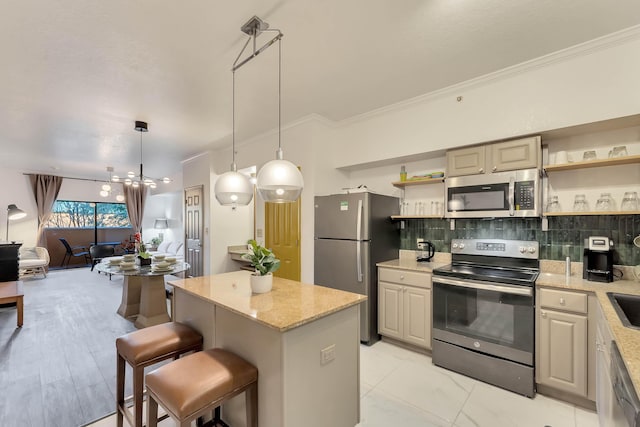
x=68 y=177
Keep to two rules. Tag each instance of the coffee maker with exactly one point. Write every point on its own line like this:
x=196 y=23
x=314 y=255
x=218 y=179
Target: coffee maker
x=597 y=263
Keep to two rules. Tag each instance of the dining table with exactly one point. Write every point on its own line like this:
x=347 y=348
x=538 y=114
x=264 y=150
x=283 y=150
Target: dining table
x=143 y=290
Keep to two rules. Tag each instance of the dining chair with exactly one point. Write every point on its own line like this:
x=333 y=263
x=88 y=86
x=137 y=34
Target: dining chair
x=72 y=252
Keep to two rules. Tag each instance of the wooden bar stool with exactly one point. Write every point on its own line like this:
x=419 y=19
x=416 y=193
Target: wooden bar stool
x=143 y=348
x=199 y=383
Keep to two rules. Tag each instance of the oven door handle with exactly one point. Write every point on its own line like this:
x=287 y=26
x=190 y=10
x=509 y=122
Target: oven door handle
x=485 y=286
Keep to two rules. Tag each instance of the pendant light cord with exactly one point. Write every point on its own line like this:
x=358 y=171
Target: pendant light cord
x=233 y=120
x=279 y=93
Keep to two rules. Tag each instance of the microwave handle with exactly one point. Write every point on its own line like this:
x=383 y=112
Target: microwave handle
x=512 y=190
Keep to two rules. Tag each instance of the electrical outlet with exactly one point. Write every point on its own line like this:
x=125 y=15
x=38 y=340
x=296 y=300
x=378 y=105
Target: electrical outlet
x=327 y=354
x=419 y=242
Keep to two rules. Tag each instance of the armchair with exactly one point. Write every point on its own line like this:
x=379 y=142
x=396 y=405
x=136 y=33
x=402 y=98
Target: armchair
x=33 y=261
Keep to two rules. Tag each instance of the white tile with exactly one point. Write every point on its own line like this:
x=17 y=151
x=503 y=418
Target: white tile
x=428 y=387
x=364 y=389
x=586 y=418
x=492 y=406
x=380 y=410
x=376 y=363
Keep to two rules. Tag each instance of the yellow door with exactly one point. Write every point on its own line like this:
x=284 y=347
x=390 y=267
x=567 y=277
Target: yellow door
x=282 y=236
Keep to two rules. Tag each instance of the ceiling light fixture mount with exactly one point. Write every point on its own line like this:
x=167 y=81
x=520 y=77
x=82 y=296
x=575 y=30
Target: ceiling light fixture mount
x=278 y=180
x=136 y=180
x=107 y=188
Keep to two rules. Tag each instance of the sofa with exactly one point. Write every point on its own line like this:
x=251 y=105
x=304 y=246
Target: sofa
x=169 y=248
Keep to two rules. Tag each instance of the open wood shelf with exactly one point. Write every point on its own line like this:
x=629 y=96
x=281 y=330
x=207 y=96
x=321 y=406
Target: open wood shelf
x=415 y=216
x=627 y=160
x=591 y=213
x=410 y=182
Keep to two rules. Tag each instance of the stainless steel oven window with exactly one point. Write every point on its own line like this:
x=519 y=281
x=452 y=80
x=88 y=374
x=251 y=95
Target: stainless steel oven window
x=491 y=316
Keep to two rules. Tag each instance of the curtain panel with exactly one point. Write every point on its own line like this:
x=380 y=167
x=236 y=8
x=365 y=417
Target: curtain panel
x=135 y=199
x=45 y=191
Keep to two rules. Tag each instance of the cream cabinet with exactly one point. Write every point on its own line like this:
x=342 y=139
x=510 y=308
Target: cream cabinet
x=466 y=161
x=524 y=153
x=563 y=357
x=404 y=306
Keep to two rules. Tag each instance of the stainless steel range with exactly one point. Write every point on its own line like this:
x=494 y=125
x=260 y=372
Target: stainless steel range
x=484 y=311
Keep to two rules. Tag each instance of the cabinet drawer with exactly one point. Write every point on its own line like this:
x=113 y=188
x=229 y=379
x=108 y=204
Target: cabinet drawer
x=405 y=277
x=563 y=300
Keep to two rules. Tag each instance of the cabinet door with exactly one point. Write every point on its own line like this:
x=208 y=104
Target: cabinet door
x=466 y=161
x=511 y=155
x=563 y=351
x=390 y=310
x=417 y=316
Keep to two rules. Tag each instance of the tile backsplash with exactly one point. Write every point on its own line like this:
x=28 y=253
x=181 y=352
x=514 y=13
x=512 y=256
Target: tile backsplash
x=564 y=238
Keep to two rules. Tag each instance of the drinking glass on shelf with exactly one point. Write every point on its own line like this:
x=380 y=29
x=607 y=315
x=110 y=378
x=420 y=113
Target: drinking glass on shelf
x=619 y=151
x=580 y=203
x=629 y=201
x=589 y=155
x=605 y=203
x=553 y=205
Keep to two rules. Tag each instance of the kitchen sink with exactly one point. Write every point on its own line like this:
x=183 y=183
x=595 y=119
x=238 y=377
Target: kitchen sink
x=627 y=307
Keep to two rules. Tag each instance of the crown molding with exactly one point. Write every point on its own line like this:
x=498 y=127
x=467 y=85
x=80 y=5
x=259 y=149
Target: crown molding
x=601 y=43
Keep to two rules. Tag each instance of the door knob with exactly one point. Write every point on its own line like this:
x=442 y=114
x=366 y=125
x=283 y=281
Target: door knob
x=543 y=314
x=495 y=168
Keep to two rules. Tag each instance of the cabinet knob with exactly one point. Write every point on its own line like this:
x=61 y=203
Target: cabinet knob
x=495 y=168
x=562 y=301
x=401 y=277
x=543 y=314
x=481 y=170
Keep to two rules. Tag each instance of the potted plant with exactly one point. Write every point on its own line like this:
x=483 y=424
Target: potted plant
x=144 y=257
x=265 y=263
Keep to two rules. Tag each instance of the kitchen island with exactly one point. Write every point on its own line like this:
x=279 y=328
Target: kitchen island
x=304 y=340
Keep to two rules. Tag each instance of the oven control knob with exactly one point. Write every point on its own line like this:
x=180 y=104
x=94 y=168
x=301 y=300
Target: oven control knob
x=522 y=249
x=532 y=250
x=461 y=245
x=455 y=246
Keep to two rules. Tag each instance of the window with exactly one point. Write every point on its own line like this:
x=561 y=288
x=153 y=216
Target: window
x=72 y=214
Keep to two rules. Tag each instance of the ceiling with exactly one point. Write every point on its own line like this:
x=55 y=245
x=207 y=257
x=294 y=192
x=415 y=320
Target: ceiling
x=77 y=74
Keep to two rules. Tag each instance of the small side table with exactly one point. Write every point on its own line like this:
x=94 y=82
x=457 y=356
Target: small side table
x=12 y=292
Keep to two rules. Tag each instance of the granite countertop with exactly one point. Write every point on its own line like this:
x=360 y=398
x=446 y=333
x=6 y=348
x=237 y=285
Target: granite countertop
x=411 y=264
x=407 y=261
x=289 y=304
x=628 y=339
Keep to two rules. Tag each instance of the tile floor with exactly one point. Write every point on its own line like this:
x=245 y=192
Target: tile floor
x=403 y=388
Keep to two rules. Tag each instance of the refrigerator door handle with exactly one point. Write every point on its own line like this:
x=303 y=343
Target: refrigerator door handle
x=359 y=242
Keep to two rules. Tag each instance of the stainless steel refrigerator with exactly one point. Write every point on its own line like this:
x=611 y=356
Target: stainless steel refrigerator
x=353 y=232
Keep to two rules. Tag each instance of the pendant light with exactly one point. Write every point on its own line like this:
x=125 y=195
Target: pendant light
x=136 y=180
x=233 y=188
x=278 y=181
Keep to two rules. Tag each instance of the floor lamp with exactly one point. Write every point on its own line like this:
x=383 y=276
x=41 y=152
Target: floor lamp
x=13 y=212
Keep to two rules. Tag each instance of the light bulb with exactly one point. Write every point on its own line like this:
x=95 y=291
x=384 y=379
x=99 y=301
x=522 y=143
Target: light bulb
x=166 y=180
x=115 y=178
x=104 y=193
x=135 y=184
x=131 y=174
x=234 y=197
x=128 y=182
x=106 y=187
x=280 y=191
x=120 y=198
x=153 y=185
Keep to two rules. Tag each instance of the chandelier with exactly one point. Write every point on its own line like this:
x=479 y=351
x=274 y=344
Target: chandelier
x=107 y=188
x=136 y=180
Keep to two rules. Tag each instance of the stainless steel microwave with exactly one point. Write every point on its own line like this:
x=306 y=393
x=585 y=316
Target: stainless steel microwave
x=504 y=194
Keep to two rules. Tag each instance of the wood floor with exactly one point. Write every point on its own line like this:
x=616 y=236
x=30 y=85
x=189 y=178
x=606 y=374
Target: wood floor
x=59 y=368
